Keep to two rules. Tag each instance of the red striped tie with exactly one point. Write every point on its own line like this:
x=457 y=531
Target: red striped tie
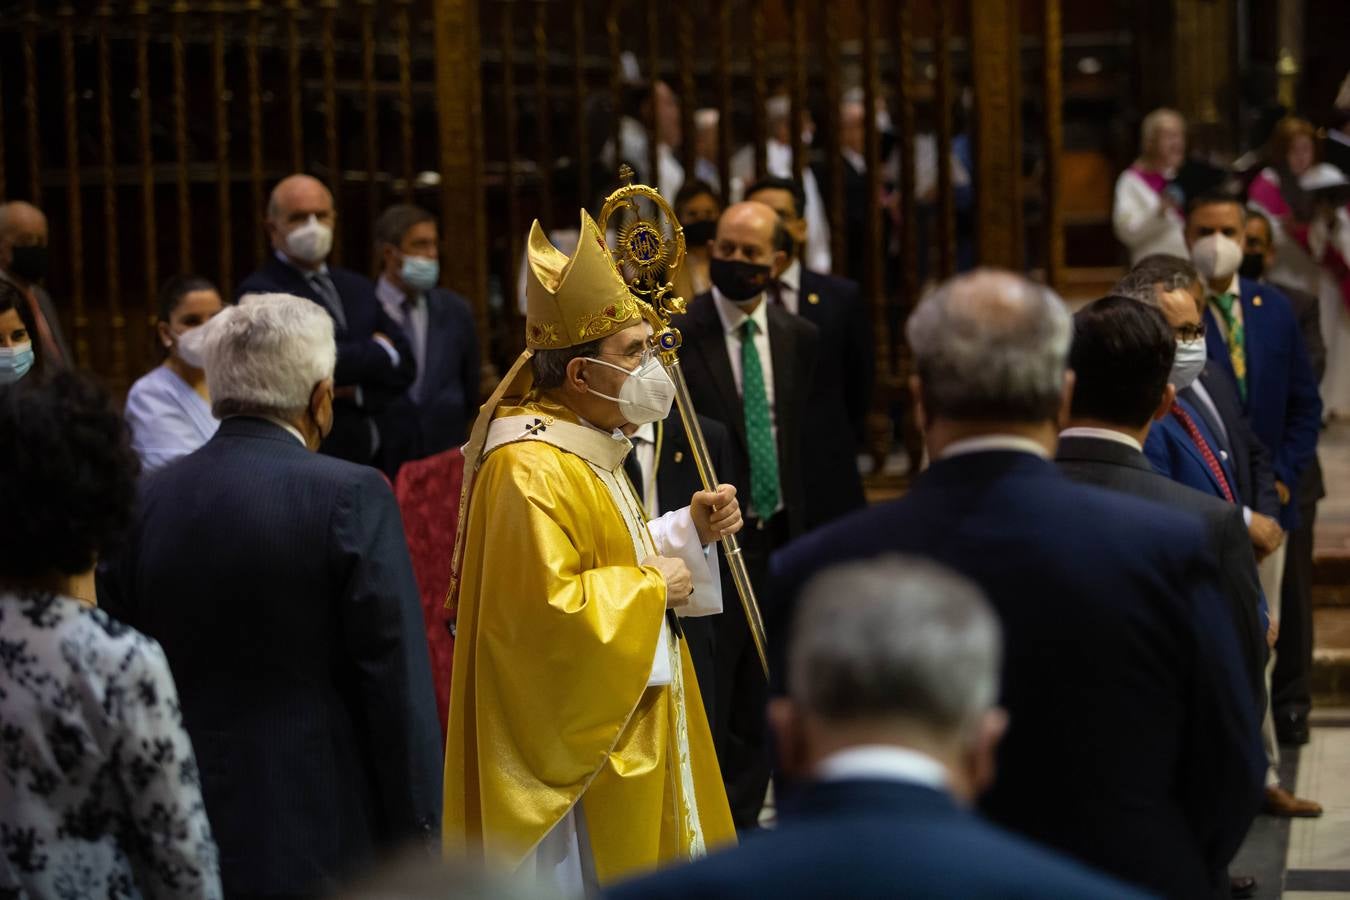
x=1203 y=446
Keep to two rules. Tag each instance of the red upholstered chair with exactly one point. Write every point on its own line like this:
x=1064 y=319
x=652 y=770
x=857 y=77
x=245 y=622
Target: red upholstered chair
x=428 y=497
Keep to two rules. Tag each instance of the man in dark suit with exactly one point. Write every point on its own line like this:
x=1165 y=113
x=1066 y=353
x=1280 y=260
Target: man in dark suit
x=375 y=362
x=1221 y=427
x=1292 y=695
x=662 y=469
x=1118 y=644
x=24 y=263
x=896 y=742
x=435 y=412
x=749 y=365
x=842 y=387
x=279 y=585
x=1123 y=360
x=1213 y=457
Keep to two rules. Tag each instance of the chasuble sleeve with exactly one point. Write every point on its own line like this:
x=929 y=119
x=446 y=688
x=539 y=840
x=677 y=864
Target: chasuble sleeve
x=558 y=625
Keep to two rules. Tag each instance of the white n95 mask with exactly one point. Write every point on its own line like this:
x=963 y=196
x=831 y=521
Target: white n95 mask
x=647 y=393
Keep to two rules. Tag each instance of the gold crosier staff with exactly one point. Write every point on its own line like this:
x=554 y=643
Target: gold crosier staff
x=650 y=264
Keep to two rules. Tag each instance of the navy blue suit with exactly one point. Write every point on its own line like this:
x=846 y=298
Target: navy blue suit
x=1172 y=453
x=1282 y=397
x=279 y=585
x=361 y=362
x=439 y=417
x=878 y=839
x=841 y=391
x=1134 y=742
x=1247 y=456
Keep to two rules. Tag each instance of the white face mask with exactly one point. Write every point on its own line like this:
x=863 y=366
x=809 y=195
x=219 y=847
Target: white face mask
x=188 y=347
x=647 y=393
x=310 y=242
x=1188 y=363
x=1216 y=256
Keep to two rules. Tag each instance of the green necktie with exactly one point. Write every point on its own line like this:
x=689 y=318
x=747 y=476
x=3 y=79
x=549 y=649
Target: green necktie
x=758 y=431
x=1237 y=342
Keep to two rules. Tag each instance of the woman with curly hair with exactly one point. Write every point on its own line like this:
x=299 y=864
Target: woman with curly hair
x=99 y=788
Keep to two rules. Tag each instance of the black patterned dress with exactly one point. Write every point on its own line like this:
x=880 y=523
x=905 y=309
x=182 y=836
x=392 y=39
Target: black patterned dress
x=99 y=790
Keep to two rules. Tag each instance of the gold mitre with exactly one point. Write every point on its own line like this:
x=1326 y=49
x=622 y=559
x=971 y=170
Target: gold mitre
x=576 y=300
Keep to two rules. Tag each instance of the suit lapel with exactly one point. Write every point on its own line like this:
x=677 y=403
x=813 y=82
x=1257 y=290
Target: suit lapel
x=710 y=349
x=1183 y=437
x=1253 y=331
x=1215 y=345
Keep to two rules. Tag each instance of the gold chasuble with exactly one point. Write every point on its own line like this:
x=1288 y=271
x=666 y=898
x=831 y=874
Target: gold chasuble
x=556 y=720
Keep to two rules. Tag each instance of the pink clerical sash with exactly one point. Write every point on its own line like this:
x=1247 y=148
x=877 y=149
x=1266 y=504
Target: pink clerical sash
x=1265 y=193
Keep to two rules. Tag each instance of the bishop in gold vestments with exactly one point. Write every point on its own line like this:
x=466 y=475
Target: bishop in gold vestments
x=578 y=747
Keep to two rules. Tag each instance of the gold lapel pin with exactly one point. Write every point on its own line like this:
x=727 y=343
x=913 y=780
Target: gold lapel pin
x=813 y=298
x=1256 y=301
x=679 y=455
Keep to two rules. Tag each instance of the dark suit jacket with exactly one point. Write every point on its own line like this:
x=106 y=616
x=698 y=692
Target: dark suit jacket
x=1120 y=468
x=836 y=422
x=1283 y=402
x=1248 y=458
x=361 y=362
x=1172 y=453
x=439 y=417
x=878 y=839
x=707 y=368
x=676 y=481
x=1311 y=487
x=1118 y=649
x=278 y=583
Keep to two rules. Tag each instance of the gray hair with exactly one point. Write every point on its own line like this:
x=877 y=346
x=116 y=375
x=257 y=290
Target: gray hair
x=1152 y=122
x=991 y=345
x=1143 y=280
x=264 y=356
x=895 y=638
x=550 y=366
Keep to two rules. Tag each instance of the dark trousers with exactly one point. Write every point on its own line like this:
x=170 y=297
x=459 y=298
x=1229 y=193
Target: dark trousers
x=742 y=692
x=1290 y=691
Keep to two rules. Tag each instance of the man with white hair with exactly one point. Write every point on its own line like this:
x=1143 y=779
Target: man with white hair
x=1119 y=649
x=1147 y=213
x=278 y=583
x=890 y=715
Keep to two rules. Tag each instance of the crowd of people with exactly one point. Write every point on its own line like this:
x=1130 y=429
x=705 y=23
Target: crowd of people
x=1061 y=665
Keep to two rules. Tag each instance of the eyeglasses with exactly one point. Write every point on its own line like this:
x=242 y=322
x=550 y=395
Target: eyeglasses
x=1190 y=332
x=641 y=357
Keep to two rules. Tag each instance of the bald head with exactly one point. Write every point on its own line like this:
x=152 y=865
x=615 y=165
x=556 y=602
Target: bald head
x=294 y=202
x=991 y=346
x=24 y=227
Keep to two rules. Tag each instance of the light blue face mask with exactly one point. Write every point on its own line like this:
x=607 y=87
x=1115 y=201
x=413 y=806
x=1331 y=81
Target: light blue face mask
x=420 y=273
x=15 y=362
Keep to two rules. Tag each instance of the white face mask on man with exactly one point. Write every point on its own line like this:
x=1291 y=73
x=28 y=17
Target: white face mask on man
x=1216 y=256
x=311 y=242
x=1188 y=363
x=647 y=392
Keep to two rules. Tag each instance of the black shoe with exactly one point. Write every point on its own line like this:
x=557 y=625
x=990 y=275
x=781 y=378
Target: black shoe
x=1292 y=729
x=1242 y=886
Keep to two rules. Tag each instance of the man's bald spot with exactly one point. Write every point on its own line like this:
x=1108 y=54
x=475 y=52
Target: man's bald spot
x=292 y=187
x=20 y=217
x=752 y=213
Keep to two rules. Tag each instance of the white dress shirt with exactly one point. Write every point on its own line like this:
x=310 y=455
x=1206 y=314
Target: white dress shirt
x=732 y=318
x=412 y=319
x=1102 y=434
x=644 y=451
x=986 y=443
x=883 y=762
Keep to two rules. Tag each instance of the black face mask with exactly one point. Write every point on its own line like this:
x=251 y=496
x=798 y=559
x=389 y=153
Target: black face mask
x=698 y=234
x=1253 y=266
x=29 y=263
x=737 y=280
